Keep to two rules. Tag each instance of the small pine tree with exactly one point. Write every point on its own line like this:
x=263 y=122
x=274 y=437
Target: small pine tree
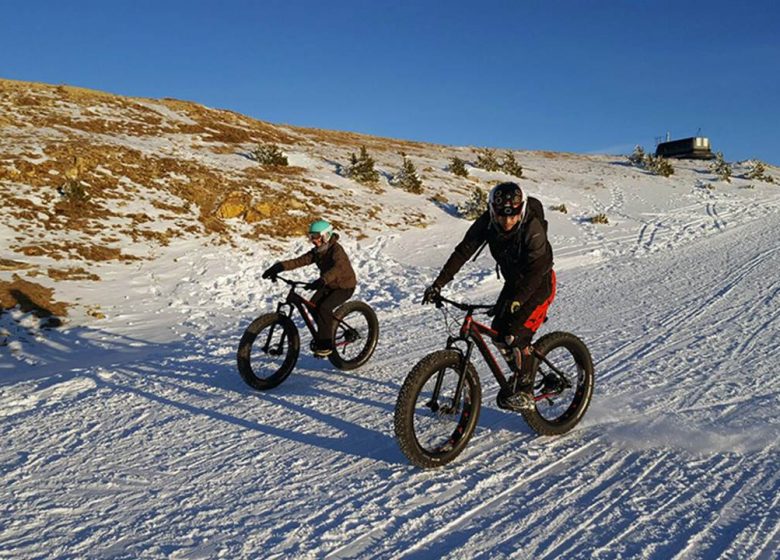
x=721 y=168
x=458 y=167
x=486 y=159
x=361 y=168
x=407 y=177
x=637 y=157
x=510 y=166
x=758 y=172
x=74 y=191
x=269 y=154
x=473 y=208
x=658 y=165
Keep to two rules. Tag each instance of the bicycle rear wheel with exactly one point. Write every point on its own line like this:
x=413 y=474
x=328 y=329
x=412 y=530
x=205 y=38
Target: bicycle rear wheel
x=268 y=351
x=355 y=336
x=563 y=384
x=431 y=430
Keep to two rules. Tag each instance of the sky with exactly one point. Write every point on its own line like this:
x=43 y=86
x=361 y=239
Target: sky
x=576 y=76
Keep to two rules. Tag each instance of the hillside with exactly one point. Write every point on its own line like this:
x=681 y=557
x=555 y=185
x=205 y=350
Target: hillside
x=93 y=183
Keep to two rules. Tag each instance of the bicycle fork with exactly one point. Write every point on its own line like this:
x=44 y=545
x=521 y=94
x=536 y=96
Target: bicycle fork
x=433 y=404
x=277 y=351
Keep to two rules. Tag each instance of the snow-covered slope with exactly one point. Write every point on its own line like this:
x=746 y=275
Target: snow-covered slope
x=132 y=435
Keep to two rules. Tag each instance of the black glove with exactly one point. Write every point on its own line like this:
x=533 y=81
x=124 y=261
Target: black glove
x=316 y=285
x=273 y=270
x=431 y=294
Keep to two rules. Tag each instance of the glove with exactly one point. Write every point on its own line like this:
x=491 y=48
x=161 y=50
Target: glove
x=273 y=270
x=316 y=285
x=431 y=294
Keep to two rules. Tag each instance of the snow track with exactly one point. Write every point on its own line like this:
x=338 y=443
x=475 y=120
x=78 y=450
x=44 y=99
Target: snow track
x=164 y=452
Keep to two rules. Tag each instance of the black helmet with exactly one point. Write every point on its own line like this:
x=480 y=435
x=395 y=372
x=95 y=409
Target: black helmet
x=506 y=199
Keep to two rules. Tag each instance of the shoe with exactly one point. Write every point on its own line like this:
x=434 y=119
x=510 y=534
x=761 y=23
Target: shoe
x=516 y=396
x=321 y=350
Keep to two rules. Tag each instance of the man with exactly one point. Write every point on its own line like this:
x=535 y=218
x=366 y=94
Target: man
x=335 y=285
x=515 y=230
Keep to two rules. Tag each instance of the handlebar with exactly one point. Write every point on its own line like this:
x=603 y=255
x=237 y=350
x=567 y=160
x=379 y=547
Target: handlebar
x=293 y=283
x=469 y=308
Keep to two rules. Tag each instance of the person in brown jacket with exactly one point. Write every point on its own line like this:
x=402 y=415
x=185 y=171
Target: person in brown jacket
x=335 y=285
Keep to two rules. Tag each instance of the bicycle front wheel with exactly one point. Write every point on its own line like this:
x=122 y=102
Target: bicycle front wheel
x=563 y=384
x=268 y=351
x=432 y=429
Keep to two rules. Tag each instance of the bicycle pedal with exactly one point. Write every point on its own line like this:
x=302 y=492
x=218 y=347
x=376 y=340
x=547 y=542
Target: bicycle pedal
x=517 y=402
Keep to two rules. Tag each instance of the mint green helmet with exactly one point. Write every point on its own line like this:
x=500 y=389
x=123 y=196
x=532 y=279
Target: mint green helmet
x=321 y=228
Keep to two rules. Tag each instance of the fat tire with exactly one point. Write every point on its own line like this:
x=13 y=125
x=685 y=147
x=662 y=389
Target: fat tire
x=583 y=390
x=371 y=338
x=407 y=399
x=244 y=354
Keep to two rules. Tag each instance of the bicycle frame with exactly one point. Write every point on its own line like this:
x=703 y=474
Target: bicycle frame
x=303 y=305
x=306 y=308
x=471 y=334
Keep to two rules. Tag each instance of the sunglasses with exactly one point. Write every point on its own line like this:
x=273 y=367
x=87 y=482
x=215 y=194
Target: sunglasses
x=315 y=236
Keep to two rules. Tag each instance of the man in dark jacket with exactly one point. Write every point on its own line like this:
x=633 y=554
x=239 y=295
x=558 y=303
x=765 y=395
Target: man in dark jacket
x=335 y=285
x=515 y=231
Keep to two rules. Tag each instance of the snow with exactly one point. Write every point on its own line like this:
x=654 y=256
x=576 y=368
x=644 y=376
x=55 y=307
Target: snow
x=134 y=436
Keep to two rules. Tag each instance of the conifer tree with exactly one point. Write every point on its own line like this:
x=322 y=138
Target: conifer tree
x=758 y=172
x=473 y=208
x=721 y=168
x=458 y=167
x=658 y=165
x=407 y=177
x=486 y=159
x=269 y=154
x=361 y=168
x=510 y=166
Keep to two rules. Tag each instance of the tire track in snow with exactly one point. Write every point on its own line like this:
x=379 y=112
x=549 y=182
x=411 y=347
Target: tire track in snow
x=643 y=348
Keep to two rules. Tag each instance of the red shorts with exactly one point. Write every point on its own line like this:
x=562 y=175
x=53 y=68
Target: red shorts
x=538 y=315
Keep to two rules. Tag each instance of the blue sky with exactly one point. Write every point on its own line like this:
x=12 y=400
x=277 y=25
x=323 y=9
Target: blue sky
x=580 y=76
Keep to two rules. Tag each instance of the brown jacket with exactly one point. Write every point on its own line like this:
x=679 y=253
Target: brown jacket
x=333 y=262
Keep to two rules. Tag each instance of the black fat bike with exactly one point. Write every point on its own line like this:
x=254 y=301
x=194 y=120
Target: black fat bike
x=270 y=345
x=439 y=402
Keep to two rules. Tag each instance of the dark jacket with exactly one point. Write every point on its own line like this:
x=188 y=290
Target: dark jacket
x=524 y=255
x=333 y=262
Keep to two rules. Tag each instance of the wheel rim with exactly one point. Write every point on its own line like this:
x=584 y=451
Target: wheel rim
x=438 y=428
x=351 y=338
x=270 y=352
x=557 y=399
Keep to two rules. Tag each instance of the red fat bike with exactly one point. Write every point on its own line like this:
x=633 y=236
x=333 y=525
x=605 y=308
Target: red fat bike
x=270 y=346
x=439 y=402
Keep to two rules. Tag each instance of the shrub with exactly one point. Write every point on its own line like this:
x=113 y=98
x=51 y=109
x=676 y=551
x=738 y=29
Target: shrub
x=74 y=191
x=658 y=165
x=407 y=178
x=361 y=168
x=474 y=206
x=458 y=167
x=721 y=168
x=510 y=166
x=758 y=172
x=560 y=208
x=486 y=159
x=268 y=154
x=599 y=219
